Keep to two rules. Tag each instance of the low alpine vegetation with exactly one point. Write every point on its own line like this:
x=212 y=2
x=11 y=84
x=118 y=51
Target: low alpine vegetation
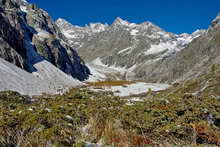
x=186 y=114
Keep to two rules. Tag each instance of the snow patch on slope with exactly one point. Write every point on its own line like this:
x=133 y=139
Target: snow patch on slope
x=56 y=78
x=101 y=72
x=42 y=34
x=96 y=73
x=46 y=79
x=155 y=49
x=24 y=9
x=16 y=79
x=126 y=50
x=98 y=61
x=134 y=32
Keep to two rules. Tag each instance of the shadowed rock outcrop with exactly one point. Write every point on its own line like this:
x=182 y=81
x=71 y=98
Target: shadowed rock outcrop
x=28 y=35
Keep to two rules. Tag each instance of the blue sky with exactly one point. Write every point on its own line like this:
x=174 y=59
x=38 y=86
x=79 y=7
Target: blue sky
x=177 y=16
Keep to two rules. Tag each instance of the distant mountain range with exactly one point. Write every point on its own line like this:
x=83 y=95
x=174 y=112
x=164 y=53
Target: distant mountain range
x=127 y=48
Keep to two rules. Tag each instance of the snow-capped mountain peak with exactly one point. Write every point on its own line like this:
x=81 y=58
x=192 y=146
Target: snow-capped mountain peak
x=120 y=21
x=64 y=23
x=76 y=33
x=123 y=23
x=216 y=21
x=79 y=35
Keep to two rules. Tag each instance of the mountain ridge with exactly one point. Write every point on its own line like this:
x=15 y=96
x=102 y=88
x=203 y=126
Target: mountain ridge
x=124 y=45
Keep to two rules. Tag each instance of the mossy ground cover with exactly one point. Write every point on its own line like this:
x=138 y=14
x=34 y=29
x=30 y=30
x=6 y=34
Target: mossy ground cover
x=179 y=116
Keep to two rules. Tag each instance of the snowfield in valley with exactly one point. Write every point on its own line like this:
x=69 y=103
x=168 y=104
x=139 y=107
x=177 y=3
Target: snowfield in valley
x=133 y=89
x=137 y=88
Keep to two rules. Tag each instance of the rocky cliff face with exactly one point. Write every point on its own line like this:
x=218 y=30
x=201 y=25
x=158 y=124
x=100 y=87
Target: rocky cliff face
x=127 y=47
x=29 y=36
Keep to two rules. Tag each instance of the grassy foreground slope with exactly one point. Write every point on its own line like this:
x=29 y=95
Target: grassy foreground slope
x=186 y=114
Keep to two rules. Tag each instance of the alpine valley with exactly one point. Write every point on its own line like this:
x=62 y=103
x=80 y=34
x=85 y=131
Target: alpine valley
x=117 y=85
x=127 y=51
